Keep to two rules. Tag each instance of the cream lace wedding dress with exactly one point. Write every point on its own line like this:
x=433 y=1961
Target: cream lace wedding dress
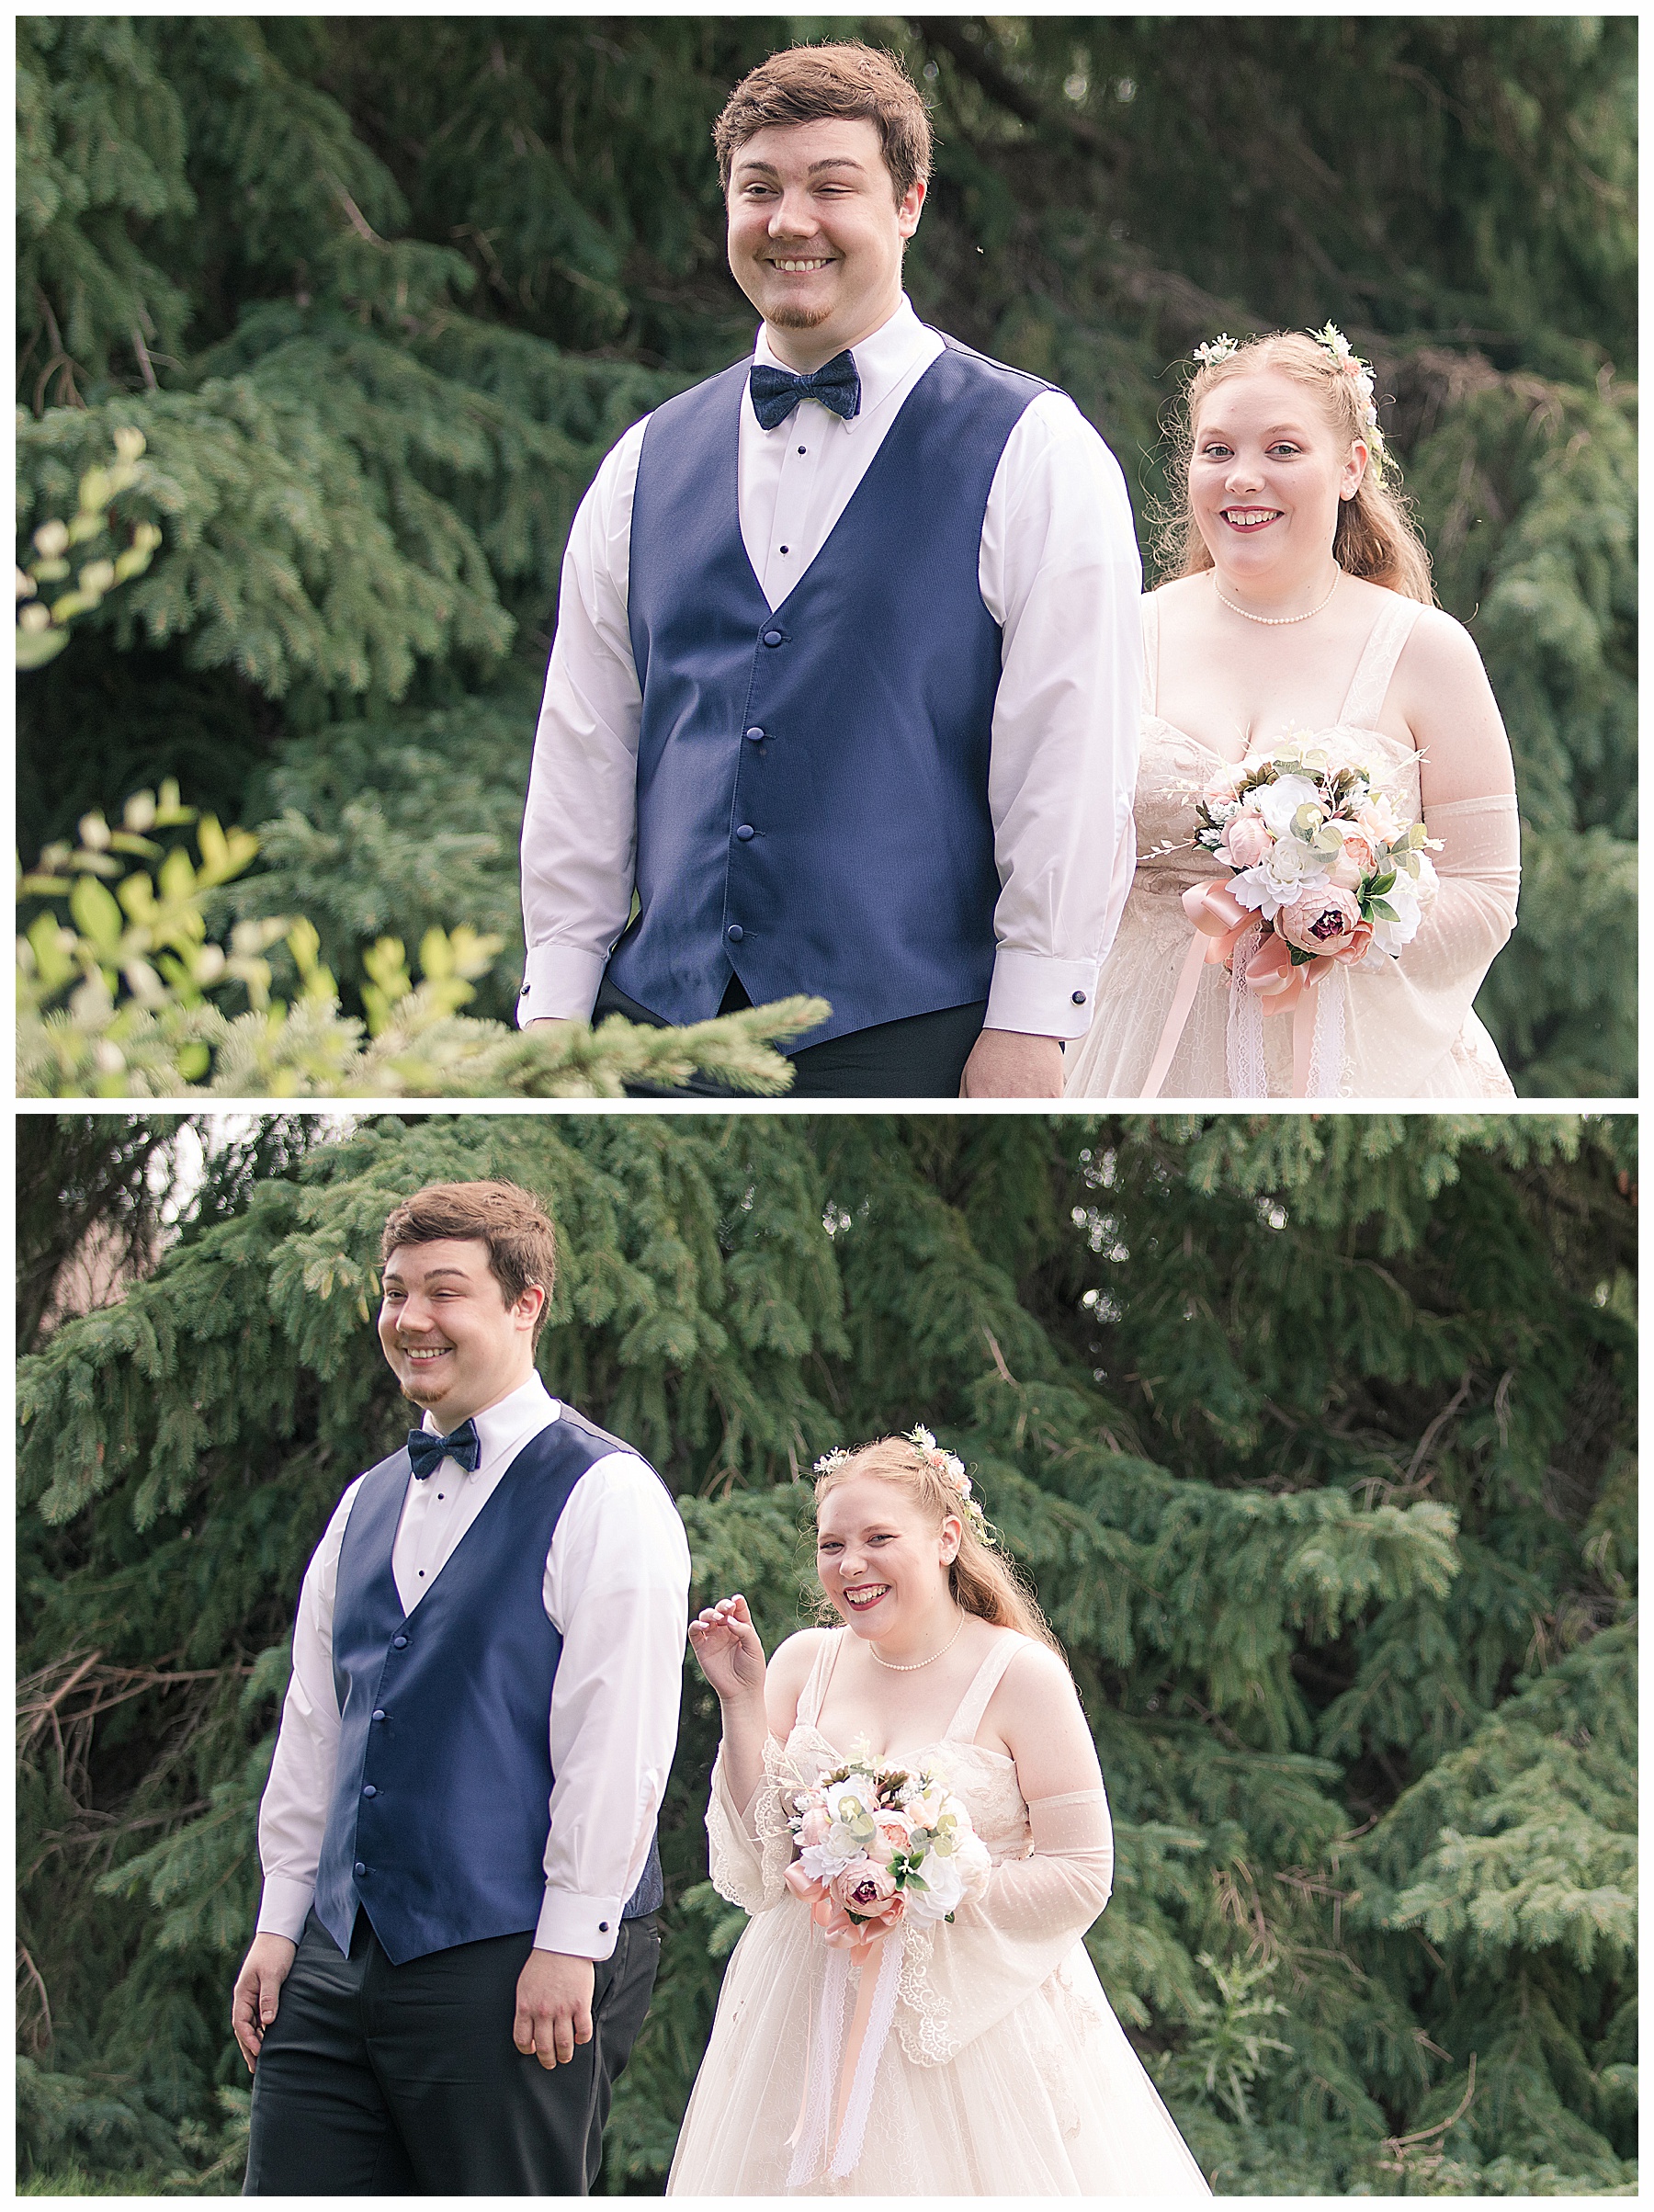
x=1005 y=2073
x=1409 y=1030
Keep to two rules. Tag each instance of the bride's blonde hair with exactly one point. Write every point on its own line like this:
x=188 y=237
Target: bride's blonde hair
x=981 y=1578
x=1375 y=536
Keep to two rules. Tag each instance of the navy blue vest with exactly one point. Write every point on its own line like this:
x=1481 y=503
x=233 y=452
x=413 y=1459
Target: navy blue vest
x=813 y=784
x=438 y=1820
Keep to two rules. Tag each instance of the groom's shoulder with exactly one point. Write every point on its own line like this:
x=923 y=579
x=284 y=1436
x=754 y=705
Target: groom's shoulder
x=983 y=367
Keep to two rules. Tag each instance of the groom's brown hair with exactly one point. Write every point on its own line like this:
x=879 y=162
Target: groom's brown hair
x=845 y=81
x=522 y=1243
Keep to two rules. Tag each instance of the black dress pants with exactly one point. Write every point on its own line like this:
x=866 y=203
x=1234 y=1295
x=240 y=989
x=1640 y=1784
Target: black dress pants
x=922 y=1056
x=378 y=2080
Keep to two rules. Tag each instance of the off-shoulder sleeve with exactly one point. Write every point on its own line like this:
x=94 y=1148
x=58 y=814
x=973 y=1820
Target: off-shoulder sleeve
x=960 y=1978
x=750 y=1847
x=1426 y=997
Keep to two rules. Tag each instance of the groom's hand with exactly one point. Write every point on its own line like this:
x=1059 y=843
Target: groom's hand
x=553 y=2007
x=258 y=1992
x=1005 y=1063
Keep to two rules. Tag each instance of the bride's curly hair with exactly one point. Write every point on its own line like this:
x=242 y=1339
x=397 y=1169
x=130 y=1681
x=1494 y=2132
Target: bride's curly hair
x=982 y=1578
x=1375 y=536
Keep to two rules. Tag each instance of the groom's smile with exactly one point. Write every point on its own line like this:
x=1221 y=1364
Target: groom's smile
x=816 y=235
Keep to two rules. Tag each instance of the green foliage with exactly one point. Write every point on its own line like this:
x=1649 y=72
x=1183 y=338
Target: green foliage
x=1313 y=1434
x=136 y=1000
x=379 y=298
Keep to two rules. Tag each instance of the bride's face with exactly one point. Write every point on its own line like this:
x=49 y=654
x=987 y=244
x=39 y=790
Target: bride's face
x=1266 y=476
x=880 y=1559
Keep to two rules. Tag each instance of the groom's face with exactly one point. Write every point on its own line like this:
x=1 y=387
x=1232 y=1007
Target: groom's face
x=816 y=235
x=453 y=1342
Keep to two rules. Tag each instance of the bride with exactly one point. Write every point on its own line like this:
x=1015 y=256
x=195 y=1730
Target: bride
x=1004 y=2072
x=1302 y=605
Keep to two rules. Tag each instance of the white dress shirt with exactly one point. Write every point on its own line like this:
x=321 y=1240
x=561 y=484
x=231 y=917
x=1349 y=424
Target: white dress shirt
x=1058 y=572
x=616 y=1587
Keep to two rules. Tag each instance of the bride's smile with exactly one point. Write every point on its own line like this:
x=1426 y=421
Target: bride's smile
x=884 y=1566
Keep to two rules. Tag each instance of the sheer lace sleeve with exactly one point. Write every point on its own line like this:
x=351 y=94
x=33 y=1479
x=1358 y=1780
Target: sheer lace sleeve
x=958 y=1979
x=1439 y=974
x=751 y=1848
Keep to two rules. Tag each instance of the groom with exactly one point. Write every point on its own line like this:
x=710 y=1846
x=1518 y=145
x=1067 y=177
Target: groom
x=844 y=693
x=455 y=1945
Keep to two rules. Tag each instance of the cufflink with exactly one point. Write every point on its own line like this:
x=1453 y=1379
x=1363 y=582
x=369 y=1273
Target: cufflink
x=1078 y=997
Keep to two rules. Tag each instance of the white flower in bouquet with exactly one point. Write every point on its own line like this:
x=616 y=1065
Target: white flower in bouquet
x=1279 y=802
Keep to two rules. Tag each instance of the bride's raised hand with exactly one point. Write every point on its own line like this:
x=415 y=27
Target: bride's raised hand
x=730 y=1654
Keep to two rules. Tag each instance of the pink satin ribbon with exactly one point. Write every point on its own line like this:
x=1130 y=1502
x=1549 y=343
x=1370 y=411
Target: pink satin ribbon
x=1220 y=923
x=862 y=1940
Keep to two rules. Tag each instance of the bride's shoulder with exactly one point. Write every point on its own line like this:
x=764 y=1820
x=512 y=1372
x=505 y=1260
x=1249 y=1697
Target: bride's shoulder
x=793 y=1658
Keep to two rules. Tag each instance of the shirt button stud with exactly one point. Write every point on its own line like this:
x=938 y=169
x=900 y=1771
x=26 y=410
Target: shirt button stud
x=756 y=736
x=735 y=933
x=745 y=832
x=1079 y=998
x=772 y=637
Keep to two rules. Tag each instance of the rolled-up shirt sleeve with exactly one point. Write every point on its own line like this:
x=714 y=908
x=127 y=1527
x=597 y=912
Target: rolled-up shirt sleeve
x=617 y=1591
x=579 y=846
x=292 y=1815
x=1061 y=573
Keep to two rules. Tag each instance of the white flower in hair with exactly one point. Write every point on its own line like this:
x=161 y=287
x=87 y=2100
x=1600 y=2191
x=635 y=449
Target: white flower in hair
x=829 y=1460
x=1215 y=350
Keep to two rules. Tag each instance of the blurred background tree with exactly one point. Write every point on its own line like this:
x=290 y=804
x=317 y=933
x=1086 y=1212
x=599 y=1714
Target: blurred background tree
x=379 y=293
x=1314 y=1433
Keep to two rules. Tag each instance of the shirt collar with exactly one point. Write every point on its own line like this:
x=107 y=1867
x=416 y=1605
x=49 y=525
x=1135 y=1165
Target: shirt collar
x=881 y=360
x=505 y=1426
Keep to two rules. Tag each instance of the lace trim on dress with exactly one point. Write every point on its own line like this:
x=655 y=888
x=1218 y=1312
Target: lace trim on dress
x=750 y=1853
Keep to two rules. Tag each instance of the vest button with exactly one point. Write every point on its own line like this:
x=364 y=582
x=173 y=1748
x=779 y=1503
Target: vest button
x=1079 y=998
x=368 y=1791
x=380 y=1714
x=756 y=736
x=772 y=637
x=359 y=1868
x=735 y=933
x=399 y=1643
x=745 y=832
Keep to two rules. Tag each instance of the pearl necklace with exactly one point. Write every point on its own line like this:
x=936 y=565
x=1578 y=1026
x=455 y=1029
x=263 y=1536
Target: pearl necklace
x=912 y=1666
x=1274 y=621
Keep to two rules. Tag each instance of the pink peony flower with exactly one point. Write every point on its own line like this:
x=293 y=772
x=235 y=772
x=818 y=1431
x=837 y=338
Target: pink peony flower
x=814 y=1826
x=1359 y=847
x=1246 y=840
x=892 y=1832
x=1324 y=920
x=870 y=1890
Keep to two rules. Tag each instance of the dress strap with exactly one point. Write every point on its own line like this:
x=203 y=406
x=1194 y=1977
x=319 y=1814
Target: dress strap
x=1364 y=702
x=815 y=1687
x=965 y=1724
x=1149 y=611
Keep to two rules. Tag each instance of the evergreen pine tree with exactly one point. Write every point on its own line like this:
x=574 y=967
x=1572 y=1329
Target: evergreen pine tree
x=380 y=295
x=1314 y=1433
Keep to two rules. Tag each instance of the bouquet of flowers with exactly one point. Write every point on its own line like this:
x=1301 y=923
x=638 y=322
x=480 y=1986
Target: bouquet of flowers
x=1319 y=856
x=876 y=1845
x=1326 y=876
x=879 y=1849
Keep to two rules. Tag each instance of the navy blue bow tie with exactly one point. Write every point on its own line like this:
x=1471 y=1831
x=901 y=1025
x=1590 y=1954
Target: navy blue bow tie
x=776 y=392
x=428 y=1452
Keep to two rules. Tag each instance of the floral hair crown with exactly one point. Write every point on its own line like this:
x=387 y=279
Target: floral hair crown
x=1343 y=357
x=1360 y=373
x=948 y=1465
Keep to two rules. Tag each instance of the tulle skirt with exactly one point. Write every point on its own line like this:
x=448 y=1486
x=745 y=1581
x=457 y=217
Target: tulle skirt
x=1052 y=2100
